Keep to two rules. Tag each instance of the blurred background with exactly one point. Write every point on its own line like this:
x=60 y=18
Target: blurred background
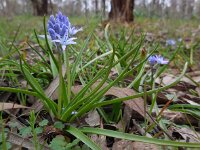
x=158 y=19
x=186 y=9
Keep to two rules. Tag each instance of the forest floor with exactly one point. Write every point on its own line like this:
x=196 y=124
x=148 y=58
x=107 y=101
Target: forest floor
x=171 y=112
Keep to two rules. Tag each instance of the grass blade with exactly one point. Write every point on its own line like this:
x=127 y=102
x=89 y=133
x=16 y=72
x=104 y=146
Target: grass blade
x=133 y=137
x=85 y=139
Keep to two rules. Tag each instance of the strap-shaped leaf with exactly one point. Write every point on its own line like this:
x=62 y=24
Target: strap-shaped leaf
x=85 y=139
x=51 y=105
x=133 y=137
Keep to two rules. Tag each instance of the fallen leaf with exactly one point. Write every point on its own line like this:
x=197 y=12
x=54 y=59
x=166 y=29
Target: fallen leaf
x=178 y=117
x=6 y=106
x=188 y=135
x=129 y=145
x=21 y=142
x=93 y=118
x=198 y=90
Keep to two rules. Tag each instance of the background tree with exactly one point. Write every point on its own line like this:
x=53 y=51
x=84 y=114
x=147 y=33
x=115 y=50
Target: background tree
x=103 y=4
x=189 y=8
x=197 y=4
x=86 y=7
x=183 y=5
x=96 y=2
x=173 y=9
x=40 y=7
x=122 y=10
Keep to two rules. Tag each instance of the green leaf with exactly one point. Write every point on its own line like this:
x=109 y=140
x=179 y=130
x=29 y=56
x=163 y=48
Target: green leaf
x=58 y=143
x=133 y=137
x=8 y=146
x=85 y=139
x=51 y=105
x=59 y=125
x=38 y=130
x=142 y=93
x=74 y=143
x=43 y=123
x=25 y=131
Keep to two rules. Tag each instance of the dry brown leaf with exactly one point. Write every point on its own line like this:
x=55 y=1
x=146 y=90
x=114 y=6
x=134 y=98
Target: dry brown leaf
x=129 y=145
x=136 y=105
x=191 y=99
x=123 y=145
x=93 y=118
x=196 y=79
x=184 y=83
x=168 y=79
x=6 y=106
x=26 y=143
x=144 y=146
x=99 y=140
x=198 y=90
x=178 y=117
x=194 y=73
x=188 y=134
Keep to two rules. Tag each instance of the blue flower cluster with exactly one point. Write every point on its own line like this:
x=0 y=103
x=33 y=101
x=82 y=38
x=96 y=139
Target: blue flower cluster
x=170 y=42
x=61 y=31
x=157 y=59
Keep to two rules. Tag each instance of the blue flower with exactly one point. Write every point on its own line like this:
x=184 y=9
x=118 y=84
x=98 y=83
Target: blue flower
x=61 y=31
x=152 y=60
x=157 y=59
x=161 y=60
x=170 y=42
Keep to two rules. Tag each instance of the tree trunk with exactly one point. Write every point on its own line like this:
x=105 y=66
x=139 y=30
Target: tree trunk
x=198 y=9
x=183 y=8
x=189 y=8
x=173 y=11
x=122 y=10
x=96 y=7
x=104 y=7
x=40 y=7
x=86 y=8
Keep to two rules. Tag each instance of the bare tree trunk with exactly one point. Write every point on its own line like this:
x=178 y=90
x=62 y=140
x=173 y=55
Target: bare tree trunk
x=40 y=7
x=189 y=8
x=122 y=10
x=183 y=8
x=3 y=7
x=96 y=7
x=104 y=7
x=86 y=8
x=163 y=8
x=198 y=9
x=51 y=6
x=86 y=5
x=154 y=7
x=173 y=12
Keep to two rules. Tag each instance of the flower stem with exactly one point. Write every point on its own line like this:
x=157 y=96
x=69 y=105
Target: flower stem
x=60 y=85
x=68 y=76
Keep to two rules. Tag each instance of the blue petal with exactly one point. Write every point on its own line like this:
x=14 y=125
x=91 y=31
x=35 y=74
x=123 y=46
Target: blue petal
x=52 y=19
x=63 y=31
x=52 y=33
x=66 y=21
x=152 y=60
x=73 y=30
x=50 y=25
x=57 y=28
